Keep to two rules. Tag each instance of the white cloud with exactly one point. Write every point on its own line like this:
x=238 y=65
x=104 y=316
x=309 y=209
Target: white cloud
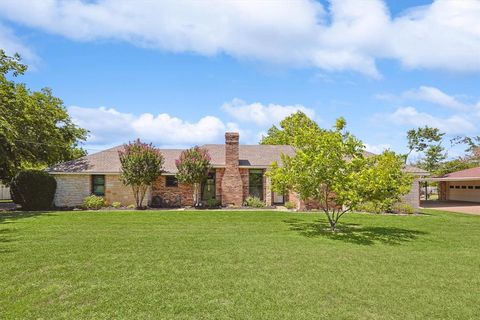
x=376 y=148
x=12 y=44
x=345 y=36
x=454 y=124
x=260 y=114
x=435 y=96
x=108 y=126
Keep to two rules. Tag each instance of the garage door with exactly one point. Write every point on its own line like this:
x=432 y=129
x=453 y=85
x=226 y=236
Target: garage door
x=464 y=191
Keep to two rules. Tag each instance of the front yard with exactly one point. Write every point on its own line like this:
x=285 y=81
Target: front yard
x=221 y=264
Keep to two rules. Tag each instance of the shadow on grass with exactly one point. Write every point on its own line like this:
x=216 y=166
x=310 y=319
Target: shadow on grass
x=11 y=216
x=354 y=233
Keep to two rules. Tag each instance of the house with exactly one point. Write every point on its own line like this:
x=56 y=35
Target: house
x=462 y=185
x=238 y=172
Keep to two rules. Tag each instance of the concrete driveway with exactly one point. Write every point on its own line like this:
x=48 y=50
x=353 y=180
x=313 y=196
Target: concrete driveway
x=452 y=206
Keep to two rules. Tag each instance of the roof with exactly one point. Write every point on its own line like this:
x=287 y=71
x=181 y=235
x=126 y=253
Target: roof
x=415 y=170
x=462 y=175
x=107 y=161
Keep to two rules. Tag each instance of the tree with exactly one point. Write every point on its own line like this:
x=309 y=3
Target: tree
x=35 y=128
x=142 y=164
x=324 y=169
x=291 y=127
x=382 y=180
x=429 y=141
x=193 y=168
x=33 y=189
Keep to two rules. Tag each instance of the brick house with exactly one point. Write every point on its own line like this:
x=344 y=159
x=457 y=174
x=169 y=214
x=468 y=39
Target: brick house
x=238 y=171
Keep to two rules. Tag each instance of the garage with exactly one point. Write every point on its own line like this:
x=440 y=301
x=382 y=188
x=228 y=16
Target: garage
x=462 y=185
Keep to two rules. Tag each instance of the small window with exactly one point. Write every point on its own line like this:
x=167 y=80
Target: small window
x=470 y=187
x=171 y=181
x=477 y=187
x=457 y=187
x=451 y=187
x=464 y=187
x=98 y=185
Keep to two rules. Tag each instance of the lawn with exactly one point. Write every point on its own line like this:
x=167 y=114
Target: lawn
x=227 y=264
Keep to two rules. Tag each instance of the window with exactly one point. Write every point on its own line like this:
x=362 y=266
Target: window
x=470 y=187
x=477 y=187
x=457 y=187
x=171 y=181
x=98 y=185
x=464 y=187
x=451 y=187
x=255 y=184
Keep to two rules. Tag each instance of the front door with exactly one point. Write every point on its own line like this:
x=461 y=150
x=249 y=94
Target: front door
x=208 y=188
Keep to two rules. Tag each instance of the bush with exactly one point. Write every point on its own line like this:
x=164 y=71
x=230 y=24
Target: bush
x=116 y=204
x=370 y=207
x=254 y=202
x=131 y=206
x=93 y=202
x=403 y=208
x=290 y=205
x=212 y=203
x=33 y=189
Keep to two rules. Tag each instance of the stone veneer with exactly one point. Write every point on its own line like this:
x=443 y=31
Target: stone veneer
x=181 y=195
x=71 y=189
x=232 y=185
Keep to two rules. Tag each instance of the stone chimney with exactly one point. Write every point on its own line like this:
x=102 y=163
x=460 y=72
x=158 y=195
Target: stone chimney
x=232 y=186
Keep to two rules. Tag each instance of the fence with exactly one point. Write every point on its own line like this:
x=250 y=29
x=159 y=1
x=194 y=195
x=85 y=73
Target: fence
x=4 y=192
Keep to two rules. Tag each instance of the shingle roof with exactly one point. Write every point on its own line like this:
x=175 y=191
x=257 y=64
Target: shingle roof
x=254 y=156
x=467 y=173
x=107 y=161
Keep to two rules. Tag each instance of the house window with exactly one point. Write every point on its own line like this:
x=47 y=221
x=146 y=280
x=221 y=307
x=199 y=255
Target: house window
x=255 y=183
x=98 y=185
x=208 y=187
x=451 y=187
x=477 y=187
x=457 y=187
x=470 y=187
x=171 y=181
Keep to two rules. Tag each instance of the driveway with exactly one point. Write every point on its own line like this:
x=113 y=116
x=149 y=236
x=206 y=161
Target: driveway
x=453 y=206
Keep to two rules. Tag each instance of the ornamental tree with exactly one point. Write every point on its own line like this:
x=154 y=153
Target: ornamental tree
x=323 y=169
x=142 y=164
x=193 y=168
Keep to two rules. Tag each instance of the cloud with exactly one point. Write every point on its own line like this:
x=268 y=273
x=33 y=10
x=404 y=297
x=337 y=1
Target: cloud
x=109 y=127
x=454 y=124
x=342 y=36
x=435 y=96
x=260 y=114
x=11 y=44
x=376 y=148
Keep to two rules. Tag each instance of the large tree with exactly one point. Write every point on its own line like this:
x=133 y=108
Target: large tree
x=142 y=164
x=290 y=127
x=427 y=140
x=35 y=128
x=193 y=168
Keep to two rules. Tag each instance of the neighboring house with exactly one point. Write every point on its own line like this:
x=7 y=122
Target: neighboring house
x=4 y=192
x=462 y=185
x=238 y=172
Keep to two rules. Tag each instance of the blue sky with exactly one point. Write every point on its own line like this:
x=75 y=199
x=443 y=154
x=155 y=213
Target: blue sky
x=181 y=73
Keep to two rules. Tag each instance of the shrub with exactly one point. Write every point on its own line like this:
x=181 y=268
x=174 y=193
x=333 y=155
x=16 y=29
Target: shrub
x=116 y=204
x=370 y=207
x=403 y=208
x=290 y=205
x=131 y=206
x=33 y=189
x=212 y=203
x=254 y=202
x=93 y=202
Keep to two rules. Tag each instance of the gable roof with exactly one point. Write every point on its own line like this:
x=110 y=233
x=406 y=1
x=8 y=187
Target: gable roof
x=473 y=173
x=107 y=161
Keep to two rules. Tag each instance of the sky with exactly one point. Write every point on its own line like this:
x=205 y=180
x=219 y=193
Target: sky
x=180 y=73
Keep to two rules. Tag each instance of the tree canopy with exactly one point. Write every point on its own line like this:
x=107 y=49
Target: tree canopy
x=142 y=164
x=35 y=128
x=193 y=168
x=290 y=128
x=329 y=167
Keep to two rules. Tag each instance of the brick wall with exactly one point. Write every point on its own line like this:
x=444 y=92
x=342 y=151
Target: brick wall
x=182 y=193
x=245 y=175
x=413 y=197
x=71 y=189
x=232 y=186
x=116 y=191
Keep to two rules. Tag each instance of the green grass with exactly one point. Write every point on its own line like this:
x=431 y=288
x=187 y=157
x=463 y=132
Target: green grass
x=243 y=265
